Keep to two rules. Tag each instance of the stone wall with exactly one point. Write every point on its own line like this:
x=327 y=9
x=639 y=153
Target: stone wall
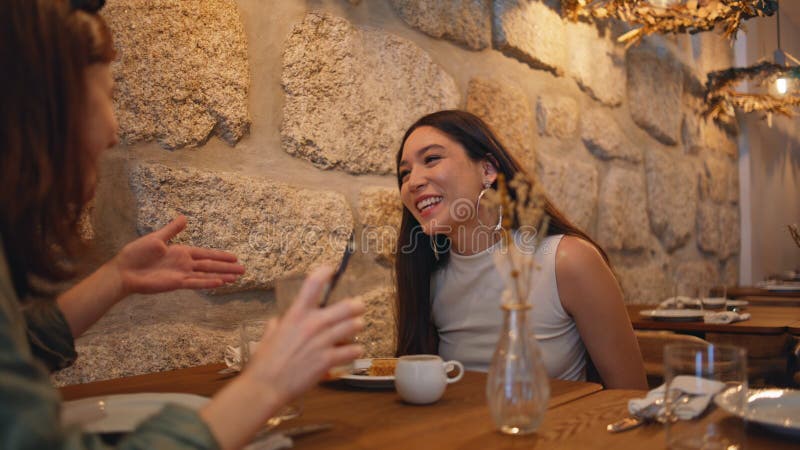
x=273 y=129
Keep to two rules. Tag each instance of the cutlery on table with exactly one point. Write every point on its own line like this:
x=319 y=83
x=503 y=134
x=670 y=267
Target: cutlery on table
x=653 y=412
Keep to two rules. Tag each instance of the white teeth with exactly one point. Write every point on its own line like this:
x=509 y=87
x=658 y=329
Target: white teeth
x=430 y=201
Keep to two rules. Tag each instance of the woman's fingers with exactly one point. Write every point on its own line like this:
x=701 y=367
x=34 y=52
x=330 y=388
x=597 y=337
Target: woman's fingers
x=208 y=265
x=201 y=283
x=171 y=229
x=341 y=331
x=207 y=253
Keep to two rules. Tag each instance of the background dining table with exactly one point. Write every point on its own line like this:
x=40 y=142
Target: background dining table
x=768 y=336
x=577 y=415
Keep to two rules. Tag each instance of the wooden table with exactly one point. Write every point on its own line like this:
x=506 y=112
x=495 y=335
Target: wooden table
x=766 y=336
x=751 y=291
x=774 y=300
x=763 y=320
x=576 y=418
x=582 y=424
x=361 y=418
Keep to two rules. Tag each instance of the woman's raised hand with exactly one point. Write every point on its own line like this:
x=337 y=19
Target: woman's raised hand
x=151 y=264
x=295 y=352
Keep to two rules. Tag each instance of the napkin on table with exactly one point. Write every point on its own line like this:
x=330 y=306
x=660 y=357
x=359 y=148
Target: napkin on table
x=233 y=356
x=724 y=317
x=701 y=390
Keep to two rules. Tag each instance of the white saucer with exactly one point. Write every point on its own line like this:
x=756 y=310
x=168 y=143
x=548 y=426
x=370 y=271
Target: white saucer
x=367 y=381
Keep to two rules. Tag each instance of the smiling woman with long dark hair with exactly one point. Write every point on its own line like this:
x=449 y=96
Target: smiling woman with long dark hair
x=448 y=290
x=56 y=119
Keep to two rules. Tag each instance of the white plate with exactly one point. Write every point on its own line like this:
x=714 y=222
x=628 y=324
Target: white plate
x=366 y=381
x=776 y=409
x=676 y=315
x=122 y=413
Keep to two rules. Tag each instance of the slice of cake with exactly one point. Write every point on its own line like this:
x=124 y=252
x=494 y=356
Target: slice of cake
x=382 y=367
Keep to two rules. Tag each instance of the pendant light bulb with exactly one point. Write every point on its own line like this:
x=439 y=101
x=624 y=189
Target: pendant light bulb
x=781 y=85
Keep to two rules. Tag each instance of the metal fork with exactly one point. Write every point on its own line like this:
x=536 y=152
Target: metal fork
x=654 y=412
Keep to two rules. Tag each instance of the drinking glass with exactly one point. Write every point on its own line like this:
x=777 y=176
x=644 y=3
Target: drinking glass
x=286 y=290
x=687 y=368
x=250 y=334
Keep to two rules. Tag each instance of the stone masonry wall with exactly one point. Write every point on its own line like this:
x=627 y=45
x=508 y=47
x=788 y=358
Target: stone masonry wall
x=274 y=130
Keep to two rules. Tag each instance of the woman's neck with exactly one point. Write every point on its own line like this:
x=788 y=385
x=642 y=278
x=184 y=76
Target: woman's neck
x=468 y=241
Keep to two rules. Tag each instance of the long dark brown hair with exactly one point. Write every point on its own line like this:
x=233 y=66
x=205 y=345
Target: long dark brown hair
x=45 y=47
x=415 y=261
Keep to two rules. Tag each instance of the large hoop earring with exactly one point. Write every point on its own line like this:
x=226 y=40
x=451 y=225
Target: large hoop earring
x=435 y=247
x=499 y=225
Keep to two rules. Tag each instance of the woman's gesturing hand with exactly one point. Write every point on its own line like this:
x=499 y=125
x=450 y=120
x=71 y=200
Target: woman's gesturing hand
x=298 y=350
x=293 y=355
x=151 y=264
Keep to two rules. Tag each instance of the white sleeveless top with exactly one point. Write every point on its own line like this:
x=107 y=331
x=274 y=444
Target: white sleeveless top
x=466 y=311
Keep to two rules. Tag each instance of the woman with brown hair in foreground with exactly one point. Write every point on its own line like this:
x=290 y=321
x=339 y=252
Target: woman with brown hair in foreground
x=56 y=119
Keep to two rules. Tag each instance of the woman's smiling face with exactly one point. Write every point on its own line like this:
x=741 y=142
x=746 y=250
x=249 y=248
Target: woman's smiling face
x=439 y=182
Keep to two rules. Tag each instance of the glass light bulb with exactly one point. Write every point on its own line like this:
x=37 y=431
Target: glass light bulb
x=781 y=85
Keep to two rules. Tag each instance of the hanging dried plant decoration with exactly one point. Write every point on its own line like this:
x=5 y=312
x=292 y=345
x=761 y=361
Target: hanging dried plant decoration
x=678 y=16
x=794 y=230
x=722 y=97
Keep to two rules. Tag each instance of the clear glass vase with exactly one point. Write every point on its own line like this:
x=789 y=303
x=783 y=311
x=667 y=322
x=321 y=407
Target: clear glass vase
x=517 y=389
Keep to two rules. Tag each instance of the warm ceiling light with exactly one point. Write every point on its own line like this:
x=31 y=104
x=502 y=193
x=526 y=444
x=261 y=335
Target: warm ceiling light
x=781 y=85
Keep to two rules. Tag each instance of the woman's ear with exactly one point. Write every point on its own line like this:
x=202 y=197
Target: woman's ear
x=489 y=171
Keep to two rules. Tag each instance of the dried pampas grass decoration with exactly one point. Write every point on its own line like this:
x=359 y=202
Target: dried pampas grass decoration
x=683 y=16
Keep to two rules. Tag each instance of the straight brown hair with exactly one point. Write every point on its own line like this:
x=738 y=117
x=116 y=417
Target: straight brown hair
x=415 y=261
x=45 y=47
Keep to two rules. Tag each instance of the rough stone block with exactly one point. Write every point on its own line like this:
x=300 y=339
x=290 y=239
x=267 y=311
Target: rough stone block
x=328 y=66
x=730 y=235
x=535 y=34
x=671 y=198
x=605 y=139
x=379 y=334
x=655 y=84
x=467 y=22
x=708 y=227
x=698 y=272
x=145 y=349
x=380 y=210
x=595 y=63
x=557 y=116
x=275 y=229
x=715 y=180
x=622 y=222
x=530 y=32
x=182 y=72
x=85 y=225
x=730 y=272
x=644 y=284
x=572 y=186
x=505 y=107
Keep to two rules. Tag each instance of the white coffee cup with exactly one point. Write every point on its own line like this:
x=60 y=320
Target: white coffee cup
x=421 y=379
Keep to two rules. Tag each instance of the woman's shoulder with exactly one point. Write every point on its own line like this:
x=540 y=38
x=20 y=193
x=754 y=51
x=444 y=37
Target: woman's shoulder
x=577 y=258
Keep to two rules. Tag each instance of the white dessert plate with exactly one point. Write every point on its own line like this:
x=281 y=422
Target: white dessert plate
x=675 y=315
x=367 y=381
x=775 y=409
x=123 y=412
